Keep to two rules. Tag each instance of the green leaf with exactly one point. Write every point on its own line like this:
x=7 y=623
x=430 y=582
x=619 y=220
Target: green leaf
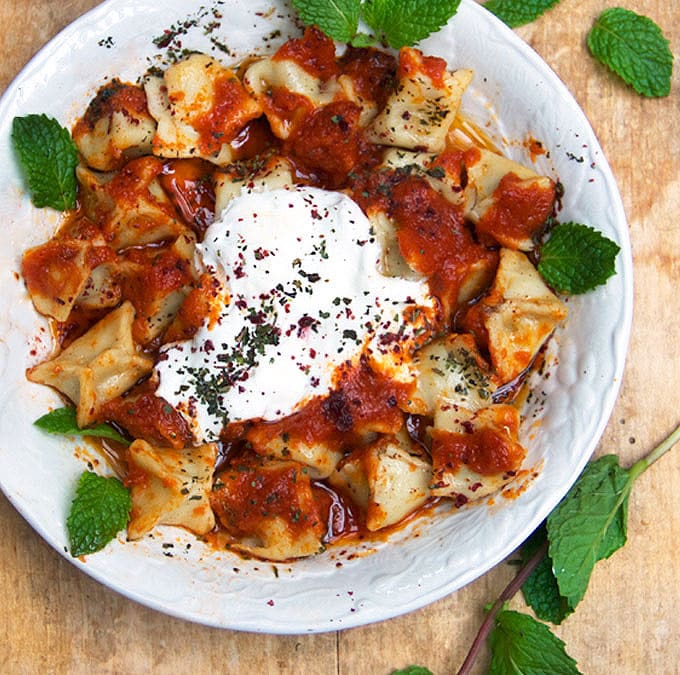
x=523 y=646
x=63 y=421
x=405 y=22
x=540 y=590
x=100 y=509
x=413 y=670
x=362 y=40
x=518 y=12
x=48 y=158
x=589 y=524
x=577 y=258
x=337 y=18
x=634 y=47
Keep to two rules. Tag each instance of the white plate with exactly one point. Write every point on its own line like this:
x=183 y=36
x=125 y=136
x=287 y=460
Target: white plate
x=518 y=96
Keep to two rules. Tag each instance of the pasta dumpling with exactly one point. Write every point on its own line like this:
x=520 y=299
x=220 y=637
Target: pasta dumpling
x=451 y=370
x=388 y=478
x=98 y=366
x=511 y=202
x=421 y=111
x=157 y=281
x=474 y=453
x=116 y=127
x=319 y=458
x=170 y=487
x=57 y=273
x=289 y=86
x=274 y=174
x=200 y=106
x=268 y=509
x=517 y=315
x=131 y=207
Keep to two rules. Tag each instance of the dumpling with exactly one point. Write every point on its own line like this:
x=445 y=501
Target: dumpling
x=388 y=478
x=57 y=272
x=516 y=317
x=157 y=280
x=421 y=111
x=276 y=173
x=98 y=366
x=474 y=453
x=451 y=370
x=170 y=487
x=268 y=509
x=116 y=127
x=301 y=77
x=131 y=207
x=511 y=202
x=319 y=457
x=200 y=107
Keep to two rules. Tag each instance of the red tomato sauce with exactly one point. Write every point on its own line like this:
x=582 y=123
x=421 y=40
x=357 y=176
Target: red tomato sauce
x=188 y=183
x=485 y=451
x=329 y=143
x=362 y=400
x=314 y=51
x=373 y=73
x=256 y=138
x=520 y=209
x=222 y=122
x=434 y=239
x=245 y=496
x=144 y=415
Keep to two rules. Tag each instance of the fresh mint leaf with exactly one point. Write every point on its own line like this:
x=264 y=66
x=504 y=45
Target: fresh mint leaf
x=577 y=258
x=63 y=421
x=518 y=12
x=589 y=524
x=399 y=23
x=521 y=645
x=540 y=590
x=413 y=670
x=362 y=40
x=337 y=18
x=48 y=158
x=634 y=47
x=100 y=509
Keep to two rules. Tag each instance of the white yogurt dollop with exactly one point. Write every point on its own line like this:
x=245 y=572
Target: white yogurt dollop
x=302 y=293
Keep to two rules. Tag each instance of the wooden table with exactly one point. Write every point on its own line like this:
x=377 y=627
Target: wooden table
x=53 y=619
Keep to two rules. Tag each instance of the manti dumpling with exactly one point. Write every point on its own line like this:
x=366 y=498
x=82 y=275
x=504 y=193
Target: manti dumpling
x=170 y=487
x=98 y=366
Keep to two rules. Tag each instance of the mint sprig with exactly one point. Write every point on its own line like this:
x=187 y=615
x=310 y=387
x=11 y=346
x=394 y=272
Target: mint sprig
x=520 y=644
x=100 y=509
x=397 y=23
x=519 y=12
x=337 y=18
x=588 y=525
x=577 y=258
x=541 y=591
x=62 y=421
x=634 y=48
x=48 y=158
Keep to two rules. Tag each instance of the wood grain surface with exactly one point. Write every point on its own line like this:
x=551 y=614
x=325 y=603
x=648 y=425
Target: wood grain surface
x=54 y=619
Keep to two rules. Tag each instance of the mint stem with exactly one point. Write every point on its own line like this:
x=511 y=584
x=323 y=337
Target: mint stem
x=659 y=451
x=508 y=593
x=514 y=586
